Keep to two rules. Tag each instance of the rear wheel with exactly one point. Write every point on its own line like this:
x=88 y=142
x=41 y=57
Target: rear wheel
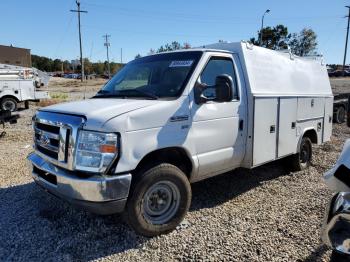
x=340 y=115
x=8 y=103
x=302 y=160
x=159 y=200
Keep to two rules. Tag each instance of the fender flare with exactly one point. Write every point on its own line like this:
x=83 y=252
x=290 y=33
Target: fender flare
x=303 y=134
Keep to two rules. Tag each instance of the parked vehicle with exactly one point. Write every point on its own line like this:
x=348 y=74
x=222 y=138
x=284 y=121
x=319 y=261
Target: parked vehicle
x=167 y=120
x=340 y=107
x=336 y=226
x=20 y=84
x=339 y=73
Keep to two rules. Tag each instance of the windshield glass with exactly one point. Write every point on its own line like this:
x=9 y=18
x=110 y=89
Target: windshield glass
x=153 y=77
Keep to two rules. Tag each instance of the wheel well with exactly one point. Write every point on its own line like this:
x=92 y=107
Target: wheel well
x=9 y=96
x=312 y=135
x=172 y=155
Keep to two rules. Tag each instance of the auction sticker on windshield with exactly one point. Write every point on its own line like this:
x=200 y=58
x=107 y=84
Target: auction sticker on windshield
x=181 y=63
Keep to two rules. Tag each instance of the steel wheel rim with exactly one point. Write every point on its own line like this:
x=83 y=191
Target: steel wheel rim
x=161 y=202
x=9 y=105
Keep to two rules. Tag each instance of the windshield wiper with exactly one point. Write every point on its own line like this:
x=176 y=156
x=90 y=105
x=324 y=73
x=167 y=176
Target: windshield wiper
x=144 y=94
x=103 y=91
x=124 y=94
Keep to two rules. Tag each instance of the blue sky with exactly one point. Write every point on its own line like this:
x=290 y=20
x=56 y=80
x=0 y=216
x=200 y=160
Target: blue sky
x=49 y=29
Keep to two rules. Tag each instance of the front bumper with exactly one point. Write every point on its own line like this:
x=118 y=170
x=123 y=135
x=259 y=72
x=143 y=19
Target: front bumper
x=97 y=194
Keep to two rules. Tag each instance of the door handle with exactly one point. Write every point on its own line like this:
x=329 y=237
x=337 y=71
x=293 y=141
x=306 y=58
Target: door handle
x=241 y=122
x=272 y=129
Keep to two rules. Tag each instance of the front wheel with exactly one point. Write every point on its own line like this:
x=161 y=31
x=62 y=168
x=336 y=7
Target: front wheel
x=158 y=201
x=302 y=160
x=8 y=103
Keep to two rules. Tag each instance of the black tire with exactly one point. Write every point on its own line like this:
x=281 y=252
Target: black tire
x=26 y=104
x=339 y=257
x=340 y=113
x=139 y=205
x=302 y=160
x=8 y=103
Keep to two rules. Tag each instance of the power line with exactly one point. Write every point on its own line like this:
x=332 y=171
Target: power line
x=107 y=44
x=81 y=49
x=193 y=17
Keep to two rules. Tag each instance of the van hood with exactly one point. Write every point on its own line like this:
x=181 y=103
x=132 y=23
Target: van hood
x=97 y=111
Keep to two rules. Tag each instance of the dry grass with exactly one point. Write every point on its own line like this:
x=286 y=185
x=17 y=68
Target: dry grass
x=49 y=102
x=61 y=96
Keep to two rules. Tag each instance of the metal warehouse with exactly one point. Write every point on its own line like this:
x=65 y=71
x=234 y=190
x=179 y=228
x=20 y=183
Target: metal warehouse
x=15 y=56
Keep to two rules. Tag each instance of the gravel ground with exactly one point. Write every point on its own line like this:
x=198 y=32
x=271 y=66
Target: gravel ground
x=267 y=214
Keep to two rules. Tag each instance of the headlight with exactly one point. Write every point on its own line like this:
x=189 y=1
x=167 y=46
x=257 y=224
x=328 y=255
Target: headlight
x=95 y=151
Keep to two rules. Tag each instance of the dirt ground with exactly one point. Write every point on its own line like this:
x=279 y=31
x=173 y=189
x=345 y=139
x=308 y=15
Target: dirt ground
x=266 y=214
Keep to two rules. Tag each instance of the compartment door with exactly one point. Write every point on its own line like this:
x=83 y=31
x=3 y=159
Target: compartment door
x=287 y=135
x=265 y=130
x=327 y=122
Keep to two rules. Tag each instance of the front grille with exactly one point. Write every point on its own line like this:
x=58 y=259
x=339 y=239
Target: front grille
x=47 y=152
x=48 y=128
x=47 y=139
x=55 y=137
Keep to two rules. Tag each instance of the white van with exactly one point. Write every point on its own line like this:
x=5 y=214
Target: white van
x=171 y=119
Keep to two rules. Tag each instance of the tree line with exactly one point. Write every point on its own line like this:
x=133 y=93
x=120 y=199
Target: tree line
x=57 y=65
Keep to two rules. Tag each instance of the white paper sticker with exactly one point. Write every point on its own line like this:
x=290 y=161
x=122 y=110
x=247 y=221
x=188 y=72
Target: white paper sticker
x=181 y=63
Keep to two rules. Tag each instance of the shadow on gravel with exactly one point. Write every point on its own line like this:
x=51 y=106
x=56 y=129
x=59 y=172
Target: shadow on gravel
x=37 y=226
x=220 y=189
x=317 y=254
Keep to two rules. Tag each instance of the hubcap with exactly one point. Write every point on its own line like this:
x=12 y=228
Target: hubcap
x=9 y=105
x=161 y=202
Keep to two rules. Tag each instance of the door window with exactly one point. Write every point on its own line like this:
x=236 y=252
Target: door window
x=215 y=67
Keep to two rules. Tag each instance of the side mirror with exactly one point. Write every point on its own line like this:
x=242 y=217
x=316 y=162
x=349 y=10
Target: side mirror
x=223 y=86
x=220 y=92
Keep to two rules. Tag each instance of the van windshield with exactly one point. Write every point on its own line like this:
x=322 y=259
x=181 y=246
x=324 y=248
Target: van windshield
x=152 y=77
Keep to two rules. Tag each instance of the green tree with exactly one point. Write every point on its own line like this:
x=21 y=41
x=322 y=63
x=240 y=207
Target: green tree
x=304 y=43
x=275 y=38
x=278 y=37
x=98 y=68
x=42 y=63
x=56 y=65
x=88 y=68
x=138 y=56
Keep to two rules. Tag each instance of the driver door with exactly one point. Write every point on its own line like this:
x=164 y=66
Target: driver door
x=218 y=129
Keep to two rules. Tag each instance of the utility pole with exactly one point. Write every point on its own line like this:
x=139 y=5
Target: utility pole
x=346 y=41
x=121 y=55
x=107 y=44
x=81 y=49
x=262 y=26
